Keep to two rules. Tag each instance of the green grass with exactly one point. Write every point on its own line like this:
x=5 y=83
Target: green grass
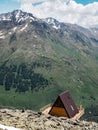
x=28 y=100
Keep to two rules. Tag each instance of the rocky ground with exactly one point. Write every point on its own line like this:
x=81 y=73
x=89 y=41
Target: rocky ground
x=29 y=120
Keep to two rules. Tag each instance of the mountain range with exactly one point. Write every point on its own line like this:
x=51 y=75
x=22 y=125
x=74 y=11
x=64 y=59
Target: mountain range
x=40 y=58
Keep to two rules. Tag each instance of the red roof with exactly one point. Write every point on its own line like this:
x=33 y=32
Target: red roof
x=65 y=101
x=69 y=104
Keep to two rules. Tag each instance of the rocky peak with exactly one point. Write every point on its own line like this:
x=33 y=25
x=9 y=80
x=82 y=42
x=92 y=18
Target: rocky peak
x=15 y=18
x=53 y=22
x=17 y=15
x=23 y=16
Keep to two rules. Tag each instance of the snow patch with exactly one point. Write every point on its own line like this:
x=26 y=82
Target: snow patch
x=56 y=27
x=18 y=15
x=22 y=29
x=34 y=45
x=22 y=19
x=31 y=18
x=8 y=127
x=14 y=29
x=35 y=36
x=1 y=35
x=53 y=22
x=25 y=18
x=10 y=33
x=30 y=21
x=5 y=19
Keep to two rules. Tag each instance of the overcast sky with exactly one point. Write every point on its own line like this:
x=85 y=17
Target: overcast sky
x=81 y=12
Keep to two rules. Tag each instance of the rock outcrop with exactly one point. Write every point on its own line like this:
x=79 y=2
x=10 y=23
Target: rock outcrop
x=29 y=120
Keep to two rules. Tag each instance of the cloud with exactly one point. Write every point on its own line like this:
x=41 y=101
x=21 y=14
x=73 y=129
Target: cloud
x=67 y=11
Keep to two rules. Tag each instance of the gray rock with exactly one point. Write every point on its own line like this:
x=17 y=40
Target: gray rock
x=29 y=120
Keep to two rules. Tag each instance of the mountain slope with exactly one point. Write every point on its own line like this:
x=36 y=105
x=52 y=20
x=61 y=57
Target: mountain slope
x=39 y=60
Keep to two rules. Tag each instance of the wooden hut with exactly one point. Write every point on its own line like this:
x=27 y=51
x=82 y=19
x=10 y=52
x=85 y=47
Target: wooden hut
x=64 y=106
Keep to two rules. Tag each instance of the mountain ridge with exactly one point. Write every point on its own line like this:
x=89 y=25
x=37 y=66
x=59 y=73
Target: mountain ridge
x=18 y=17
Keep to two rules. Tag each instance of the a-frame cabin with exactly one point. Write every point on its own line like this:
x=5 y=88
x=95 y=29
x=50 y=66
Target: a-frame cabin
x=64 y=106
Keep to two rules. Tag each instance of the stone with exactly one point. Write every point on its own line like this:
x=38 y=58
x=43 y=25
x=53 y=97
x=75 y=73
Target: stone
x=29 y=120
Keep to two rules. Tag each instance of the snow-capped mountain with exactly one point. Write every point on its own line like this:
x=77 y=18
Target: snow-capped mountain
x=53 y=22
x=16 y=21
x=67 y=27
x=19 y=20
x=17 y=16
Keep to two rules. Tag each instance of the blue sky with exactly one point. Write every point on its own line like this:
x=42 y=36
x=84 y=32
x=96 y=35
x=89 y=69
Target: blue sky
x=85 y=1
x=8 y=5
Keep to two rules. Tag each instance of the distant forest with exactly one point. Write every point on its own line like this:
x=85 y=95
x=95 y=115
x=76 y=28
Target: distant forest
x=21 y=77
